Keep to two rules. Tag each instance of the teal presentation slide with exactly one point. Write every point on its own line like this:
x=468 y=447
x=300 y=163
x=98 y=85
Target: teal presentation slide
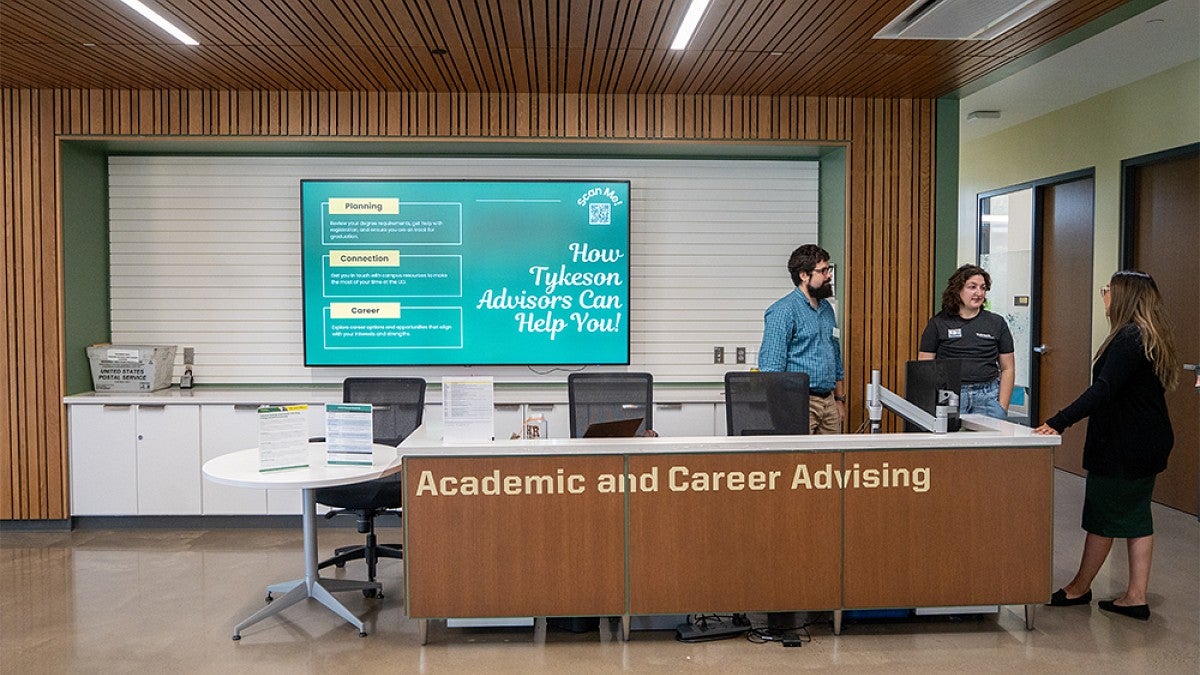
x=465 y=272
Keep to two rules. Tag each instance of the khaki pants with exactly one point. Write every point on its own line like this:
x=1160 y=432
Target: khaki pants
x=823 y=416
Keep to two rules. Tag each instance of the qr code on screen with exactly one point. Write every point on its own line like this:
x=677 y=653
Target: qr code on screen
x=599 y=214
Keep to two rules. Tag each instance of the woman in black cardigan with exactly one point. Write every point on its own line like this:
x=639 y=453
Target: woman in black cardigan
x=1128 y=438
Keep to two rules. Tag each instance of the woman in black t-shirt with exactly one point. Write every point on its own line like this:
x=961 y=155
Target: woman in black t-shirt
x=1128 y=439
x=981 y=340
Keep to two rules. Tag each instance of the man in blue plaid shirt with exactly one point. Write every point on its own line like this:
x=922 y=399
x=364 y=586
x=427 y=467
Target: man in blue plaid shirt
x=798 y=336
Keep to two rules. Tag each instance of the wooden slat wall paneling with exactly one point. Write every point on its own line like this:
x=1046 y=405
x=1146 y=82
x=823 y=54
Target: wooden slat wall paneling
x=33 y=455
x=204 y=253
x=9 y=435
x=32 y=452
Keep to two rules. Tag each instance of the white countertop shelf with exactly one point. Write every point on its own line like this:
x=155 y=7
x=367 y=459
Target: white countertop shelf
x=978 y=432
x=665 y=394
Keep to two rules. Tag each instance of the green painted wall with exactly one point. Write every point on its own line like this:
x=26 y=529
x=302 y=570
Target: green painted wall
x=1157 y=113
x=85 y=256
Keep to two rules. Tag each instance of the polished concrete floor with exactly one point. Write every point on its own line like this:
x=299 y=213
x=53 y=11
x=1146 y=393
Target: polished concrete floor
x=155 y=600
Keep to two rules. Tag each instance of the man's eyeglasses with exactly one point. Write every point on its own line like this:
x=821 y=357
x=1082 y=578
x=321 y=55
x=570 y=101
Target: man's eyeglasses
x=1104 y=290
x=824 y=271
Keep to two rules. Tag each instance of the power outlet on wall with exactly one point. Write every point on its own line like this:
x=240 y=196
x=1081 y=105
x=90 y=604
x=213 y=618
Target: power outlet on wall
x=741 y=354
x=718 y=355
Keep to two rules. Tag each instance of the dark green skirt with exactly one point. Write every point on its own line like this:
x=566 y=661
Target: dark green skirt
x=1118 y=507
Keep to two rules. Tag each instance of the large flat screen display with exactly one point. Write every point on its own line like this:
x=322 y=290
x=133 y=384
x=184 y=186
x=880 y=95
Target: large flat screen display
x=465 y=272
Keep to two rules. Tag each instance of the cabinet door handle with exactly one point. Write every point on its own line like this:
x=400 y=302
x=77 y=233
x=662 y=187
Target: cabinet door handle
x=541 y=406
x=669 y=406
x=117 y=406
x=508 y=406
x=152 y=406
x=246 y=406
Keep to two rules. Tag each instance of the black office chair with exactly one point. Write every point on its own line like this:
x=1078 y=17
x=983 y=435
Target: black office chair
x=607 y=397
x=398 y=408
x=761 y=404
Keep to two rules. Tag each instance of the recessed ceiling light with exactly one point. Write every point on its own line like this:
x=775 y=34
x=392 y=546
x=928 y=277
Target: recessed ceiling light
x=161 y=22
x=691 y=20
x=89 y=44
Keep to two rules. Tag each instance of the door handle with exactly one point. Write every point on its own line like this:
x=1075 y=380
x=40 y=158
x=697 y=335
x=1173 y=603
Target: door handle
x=1041 y=349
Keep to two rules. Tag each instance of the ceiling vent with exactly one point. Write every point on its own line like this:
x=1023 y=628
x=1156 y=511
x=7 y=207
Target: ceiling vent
x=960 y=19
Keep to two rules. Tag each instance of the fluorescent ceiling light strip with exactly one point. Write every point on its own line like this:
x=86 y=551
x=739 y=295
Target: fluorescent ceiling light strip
x=161 y=22
x=690 y=21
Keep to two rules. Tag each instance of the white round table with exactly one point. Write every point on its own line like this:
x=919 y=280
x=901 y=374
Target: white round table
x=241 y=469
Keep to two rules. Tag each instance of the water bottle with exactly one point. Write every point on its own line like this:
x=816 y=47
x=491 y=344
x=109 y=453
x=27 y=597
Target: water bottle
x=535 y=426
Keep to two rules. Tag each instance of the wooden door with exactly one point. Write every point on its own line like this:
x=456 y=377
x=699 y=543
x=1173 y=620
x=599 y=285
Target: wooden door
x=1064 y=302
x=1163 y=200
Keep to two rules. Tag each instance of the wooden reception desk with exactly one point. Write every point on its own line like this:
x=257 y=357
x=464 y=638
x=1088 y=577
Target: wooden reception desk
x=622 y=527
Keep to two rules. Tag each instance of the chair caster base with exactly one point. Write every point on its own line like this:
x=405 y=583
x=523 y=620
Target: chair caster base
x=237 y=637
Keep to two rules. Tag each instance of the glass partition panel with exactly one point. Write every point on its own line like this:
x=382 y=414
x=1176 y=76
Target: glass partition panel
x=1006 y=252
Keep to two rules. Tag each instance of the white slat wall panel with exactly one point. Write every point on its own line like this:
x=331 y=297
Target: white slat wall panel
x=205 y=253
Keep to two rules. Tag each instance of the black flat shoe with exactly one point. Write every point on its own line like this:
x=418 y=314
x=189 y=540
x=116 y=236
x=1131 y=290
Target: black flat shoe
x=1139 y=612
x=1059 y=599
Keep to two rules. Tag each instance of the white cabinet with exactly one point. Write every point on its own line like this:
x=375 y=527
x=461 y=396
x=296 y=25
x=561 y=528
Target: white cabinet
x=135 y=459
x=225 y=429
x=168 y=459
x=509 y=420
x=684 y=419
x=432 y=414
x=103 y=459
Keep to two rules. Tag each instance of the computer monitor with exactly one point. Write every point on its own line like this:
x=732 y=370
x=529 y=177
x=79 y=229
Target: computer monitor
x=614 y=428
x=923 y=379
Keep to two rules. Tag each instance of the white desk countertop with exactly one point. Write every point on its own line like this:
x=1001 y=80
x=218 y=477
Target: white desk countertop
x=978 y=432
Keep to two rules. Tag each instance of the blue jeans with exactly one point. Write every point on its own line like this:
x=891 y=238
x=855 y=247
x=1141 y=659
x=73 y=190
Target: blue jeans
x=981 y=398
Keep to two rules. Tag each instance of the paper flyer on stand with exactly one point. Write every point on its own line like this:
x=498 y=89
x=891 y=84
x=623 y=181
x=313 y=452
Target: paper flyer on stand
x=282 y=437
x=349 y=433
x=467 y=411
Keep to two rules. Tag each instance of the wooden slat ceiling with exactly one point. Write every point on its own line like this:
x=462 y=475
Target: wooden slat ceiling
x=743 y=47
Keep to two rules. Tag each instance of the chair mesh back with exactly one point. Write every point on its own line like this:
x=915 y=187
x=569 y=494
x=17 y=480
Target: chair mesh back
x=399 y=404
x=758 y=404
x=607 y=397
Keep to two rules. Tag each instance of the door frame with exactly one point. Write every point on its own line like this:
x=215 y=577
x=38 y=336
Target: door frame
x=1129 y=185
x=1128 y=214
x=1035 y=281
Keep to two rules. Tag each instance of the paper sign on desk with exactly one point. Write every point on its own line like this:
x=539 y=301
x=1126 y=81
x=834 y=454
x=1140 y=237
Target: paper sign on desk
x=282 y=437
x=467 y=409
x=349 y=433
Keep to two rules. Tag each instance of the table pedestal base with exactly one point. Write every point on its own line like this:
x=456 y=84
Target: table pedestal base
x=312 y=585
x=321 y=590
